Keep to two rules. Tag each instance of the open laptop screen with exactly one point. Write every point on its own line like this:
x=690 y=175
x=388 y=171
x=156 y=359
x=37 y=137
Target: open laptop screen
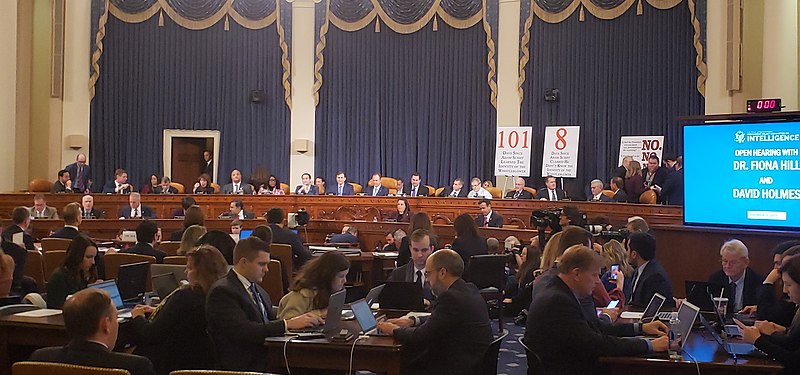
x=364 y=316
x=652 y=308
x=110 y=287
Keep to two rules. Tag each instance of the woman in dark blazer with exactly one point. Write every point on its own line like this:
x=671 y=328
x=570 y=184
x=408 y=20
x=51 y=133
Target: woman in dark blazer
x=174 y=336
x=78 y=271
x=203 y=185
x=403 y=213
x=468 y=242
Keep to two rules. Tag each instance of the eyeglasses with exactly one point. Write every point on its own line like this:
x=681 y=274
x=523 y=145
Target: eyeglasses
x=428 y=273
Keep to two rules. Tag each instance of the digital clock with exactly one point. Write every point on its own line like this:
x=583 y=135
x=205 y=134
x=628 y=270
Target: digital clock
x=763 y=105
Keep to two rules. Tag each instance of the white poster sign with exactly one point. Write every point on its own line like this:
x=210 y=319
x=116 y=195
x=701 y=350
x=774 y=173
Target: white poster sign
x=560 y=157
x=641 y=148
x=513 y=152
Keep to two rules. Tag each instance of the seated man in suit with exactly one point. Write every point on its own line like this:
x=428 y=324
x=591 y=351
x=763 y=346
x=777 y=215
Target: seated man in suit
x=186 y=202
x=135 y=209
x=740 y=283
x=165 y=187
x=454 y=338
x=457 y=191
x=415 y=188
x=145 y=239
x=90 y=319
x=237 y=211
x=40 y=210
x=617 y=183
x=239 y=312
x=488 y=218
x=414 y=271
x=72 y=219
x=397 y=239
x=477 y=190
x=597 y=192
x=119 y=185
x=18 y=248
x=87 y=208
x=550 y=191
x=377 y=190
x=649 y=277
x=557 y=329
x=349 y=235
x=342 y=188
x=519 y=191
x=20 y=221
x=237 y=186
x=306 y=188
x=300 y=255
x=63 y=184
x=81 y=173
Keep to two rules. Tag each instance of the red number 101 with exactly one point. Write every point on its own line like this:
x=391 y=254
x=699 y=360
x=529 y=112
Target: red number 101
x=513 y=139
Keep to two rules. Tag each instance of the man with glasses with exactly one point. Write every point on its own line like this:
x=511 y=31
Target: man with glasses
x=739 y=282
x=81 y=173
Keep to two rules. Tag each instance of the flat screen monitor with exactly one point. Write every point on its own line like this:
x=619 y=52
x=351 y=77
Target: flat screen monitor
x=742 y=174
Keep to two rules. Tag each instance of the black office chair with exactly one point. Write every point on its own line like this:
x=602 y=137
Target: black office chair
x=534 y=362
x=18 y=308
x=488 y=273
x=489 y=364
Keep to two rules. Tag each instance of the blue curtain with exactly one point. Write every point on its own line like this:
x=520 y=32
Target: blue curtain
x=154 y=78
x=633 y=75
x=396 y=103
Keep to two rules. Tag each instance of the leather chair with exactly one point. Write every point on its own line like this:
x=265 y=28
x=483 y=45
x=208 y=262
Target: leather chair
x=39 y=368
x=496 y=192
x=34 y=268
x=178 y=186
x=489 y=364
x=357 y=188
x=648 y=197
x=273 y=281
x=431 y=190
x=530 y=190
x=15 y=309
x=39 y=185
x=389 y=183
x=216 y=187
x=285 y=188
x=52 y=260
x=438 y=192
x=49 y=244
x=488 y=273
x=283 y=254
x=534 y=362
x=608 y=193
x=169 y=247
x=176 y=259
x=113 y=261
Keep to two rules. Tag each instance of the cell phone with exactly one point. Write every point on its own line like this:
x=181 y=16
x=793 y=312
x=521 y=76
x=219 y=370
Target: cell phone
x=614 y=269
x=613 y=304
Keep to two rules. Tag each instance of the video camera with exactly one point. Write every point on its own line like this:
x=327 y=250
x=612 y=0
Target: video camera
x=620 y=234
x=546 y=218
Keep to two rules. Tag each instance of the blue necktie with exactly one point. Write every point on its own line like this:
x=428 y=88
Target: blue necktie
x=259 y=302
x=340 y=189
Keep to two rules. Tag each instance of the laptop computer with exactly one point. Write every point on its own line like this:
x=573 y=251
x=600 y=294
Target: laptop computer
x=402 y=295
x=732 y=348
x=244 y=233
x=164 y=284
x=687 y=314
x=132 y=280
x=650 y=312
x=332 y=320
x=110 y=287
x=177 y=270
x=371 y=297
x=697 y=292
x=366 y=319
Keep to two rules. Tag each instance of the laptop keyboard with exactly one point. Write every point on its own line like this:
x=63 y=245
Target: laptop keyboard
x=666 y=315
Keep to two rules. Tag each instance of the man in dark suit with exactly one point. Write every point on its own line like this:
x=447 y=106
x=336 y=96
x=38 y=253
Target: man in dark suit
x=597 y=192
x=306 y=188
x=135 y=209
x=237 y=186
x=90 y=319
x=18 y=249
x=20 y=221
x=342 y=188
x=349 y=235
x=415 y=188
x=87 y=208
x=165 y=187
x=457 y=191
x=63 y=184
x=557 y=329
x=414 y=271
x=488 y=218
x=237 y=211
x=617 y=183
x=672 y=190
x=649 y=277
x=454 y=338
x=519 y=191
x=654 y=174
x=622 y=170
x=300 y=255
x=739 y=282
x=239 y=312
x=145 y=239
x=377 y=190
x=550 y=191
x=72 y=219
x=119 y=185
x=208 y=165
x=41 y=210
x=81 y=174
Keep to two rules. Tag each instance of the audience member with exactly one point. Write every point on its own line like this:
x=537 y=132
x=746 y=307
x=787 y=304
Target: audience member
x=419 y=220
x=135 y=209
x=221 y=241
x=81 y=173
x=342 y=187
x=236 y=186
x=90 y=319
x=414 y=271
x=634 y=183
x=78 y=271
x=264 y=233
x=492 y=245
x=203 y=185
x=236 y=227
x=16 y=242
x=41 y=210
x=145 y=240
x=192 y=216
x=239 y=312
x=454 y=338
x=654 y=174
x=300 y=255
x=72 y=219
x=773 y=304
x=238 y=212
x=63 y=184
x=649 y=277
x=550 y=191
x=397 y=240
x=403 y=214
x=617 y=186
x=597 y=192
x=165 y=187
x=739 y=282
x=457 y=191
x=377 y=190
x=488 y=218
x=186 y=202
x=189 y=239
x=20 y=222
x=6 y=274
x=349 y=235
x=468 y=242
x=637 y=225
x=614 y=254
x=87 y=208
x=306 y=188
x=672 y=190
x=477 y=190
x=119 y=185
x=313 y=286
x=623 y=168
x=416 y=189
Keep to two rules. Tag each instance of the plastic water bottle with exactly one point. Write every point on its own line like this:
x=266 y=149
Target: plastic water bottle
x=674 y=338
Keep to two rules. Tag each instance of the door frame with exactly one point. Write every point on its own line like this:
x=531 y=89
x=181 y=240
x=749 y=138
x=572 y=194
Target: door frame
x=177 y=133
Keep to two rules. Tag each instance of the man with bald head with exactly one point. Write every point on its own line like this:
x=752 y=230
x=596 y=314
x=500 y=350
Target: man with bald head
x=90 y=319
x=81 y=174
x=519 y=191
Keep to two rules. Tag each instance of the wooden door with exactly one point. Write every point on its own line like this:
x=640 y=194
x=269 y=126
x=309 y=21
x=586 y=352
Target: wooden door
x=187 y=160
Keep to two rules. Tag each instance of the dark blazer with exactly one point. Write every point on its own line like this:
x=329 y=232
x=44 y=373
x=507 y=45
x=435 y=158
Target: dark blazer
x=175 y=338
x=207 y=190
x=422 y=191
x=619 y=172
x=524 y=194
x=620 y=196
x=246 y=188
x=469 y=246
x=405 y=217
x=752 y=283
x=382 y=191
x=94 y=213
x=672 y=190
x=111 y=185
x=160 y=190
x=312 y=190
x=603 y=198
x=544 y=194
x=58 y=187
x=774 y=306
x=347 y=189
x=60 y=285
x=66 y=232
x=11 y=230
x=566 y=342
x=236 y=326
x=143 y=248
x=404 y=252
x=73 y=175
x=461 y=193
x=343 y=238
x=634 y=187
x=85 y=353
x=454 y=338
x=208 y=168
x=300 y=255
x=653 y=280
x=147 y=212
x=495 y=220
x=406 y=273
x=20 y=256
x=659 y=178
x=247 y=215
x=784 y=347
